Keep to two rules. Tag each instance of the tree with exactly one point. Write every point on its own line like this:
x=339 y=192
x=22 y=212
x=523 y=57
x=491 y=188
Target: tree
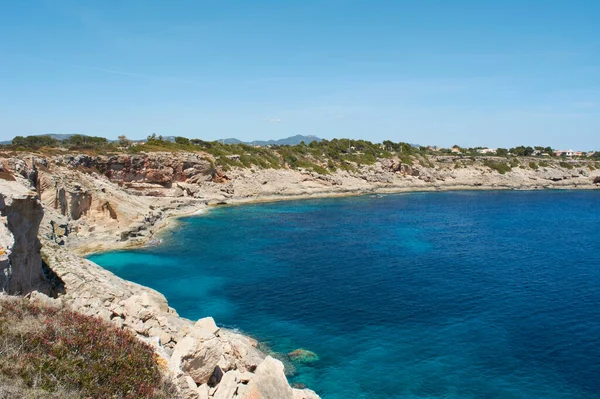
x=35 y=141
x=82 y=141
x=19 y=141
x=502 y=152
x=182 y=140
x=124 y=141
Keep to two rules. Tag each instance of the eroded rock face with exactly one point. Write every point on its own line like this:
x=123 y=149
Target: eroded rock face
x=155 y=168
x=20 y=261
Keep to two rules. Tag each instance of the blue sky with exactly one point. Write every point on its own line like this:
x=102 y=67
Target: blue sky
x=489 y=73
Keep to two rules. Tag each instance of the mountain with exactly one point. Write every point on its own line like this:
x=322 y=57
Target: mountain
x=293 y=140
x=231 y=141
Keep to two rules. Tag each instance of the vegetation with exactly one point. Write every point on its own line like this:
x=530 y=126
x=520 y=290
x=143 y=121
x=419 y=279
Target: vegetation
x=322 y=157
x=566 y=165
x=544 y=164
x=502 y=152
x=35 y=141
x=500 y=167
x=55 y=351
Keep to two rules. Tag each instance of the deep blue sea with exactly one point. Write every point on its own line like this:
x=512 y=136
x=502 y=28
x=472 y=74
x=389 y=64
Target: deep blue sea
x=492 y=294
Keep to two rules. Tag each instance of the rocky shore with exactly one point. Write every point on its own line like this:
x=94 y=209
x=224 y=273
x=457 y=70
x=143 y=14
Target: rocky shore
x=57 y=208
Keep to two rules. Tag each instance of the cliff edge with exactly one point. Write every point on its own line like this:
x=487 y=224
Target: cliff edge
x=20 y=261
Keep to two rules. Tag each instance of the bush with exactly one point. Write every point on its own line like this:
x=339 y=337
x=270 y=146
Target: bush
x=499 y=167
x=48 y=349
x=566 y=165
x=533 y=165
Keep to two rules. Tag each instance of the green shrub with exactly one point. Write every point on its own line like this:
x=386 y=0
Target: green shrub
x=566 y=165
x=533 y=165
x=499 y=167
x=49 y=349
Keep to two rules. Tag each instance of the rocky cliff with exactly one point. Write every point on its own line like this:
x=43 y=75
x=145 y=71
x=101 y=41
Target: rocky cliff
x=20 y=261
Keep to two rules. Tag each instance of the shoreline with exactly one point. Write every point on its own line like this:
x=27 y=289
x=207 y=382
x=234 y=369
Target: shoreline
x=170 y=219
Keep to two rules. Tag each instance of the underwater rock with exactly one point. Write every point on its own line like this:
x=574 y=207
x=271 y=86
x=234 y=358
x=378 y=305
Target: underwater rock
x=303 y=356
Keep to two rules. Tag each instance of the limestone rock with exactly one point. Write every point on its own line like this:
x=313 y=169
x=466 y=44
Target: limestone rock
x=208 y=324
x=270 y=380
x=20 y=261
x=198 y=354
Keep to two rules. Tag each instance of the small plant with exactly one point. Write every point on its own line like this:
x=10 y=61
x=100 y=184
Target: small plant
x=533 y=165
x=49 y=349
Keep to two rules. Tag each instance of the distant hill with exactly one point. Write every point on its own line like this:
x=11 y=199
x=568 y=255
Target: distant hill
x=293 y=140
x=57 y=136
x=230 y=141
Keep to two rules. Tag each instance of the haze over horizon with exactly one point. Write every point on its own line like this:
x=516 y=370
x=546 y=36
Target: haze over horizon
x=472 y=73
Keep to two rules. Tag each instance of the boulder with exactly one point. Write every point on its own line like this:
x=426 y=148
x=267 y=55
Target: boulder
x=228 y=387
x=270 y=381
x=198 y=354
x=207 y=323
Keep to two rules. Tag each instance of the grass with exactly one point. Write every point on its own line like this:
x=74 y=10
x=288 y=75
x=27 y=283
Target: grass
x=66 y=355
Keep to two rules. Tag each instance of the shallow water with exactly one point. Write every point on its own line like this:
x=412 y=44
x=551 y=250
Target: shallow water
x=421 y=295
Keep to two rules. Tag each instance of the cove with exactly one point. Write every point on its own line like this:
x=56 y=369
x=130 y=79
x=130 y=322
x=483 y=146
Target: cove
x=491 y=294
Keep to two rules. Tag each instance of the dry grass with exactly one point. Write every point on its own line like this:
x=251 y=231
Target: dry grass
x=53 y=353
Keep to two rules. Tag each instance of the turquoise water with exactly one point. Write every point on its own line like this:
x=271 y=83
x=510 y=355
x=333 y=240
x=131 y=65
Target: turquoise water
x=421 y=295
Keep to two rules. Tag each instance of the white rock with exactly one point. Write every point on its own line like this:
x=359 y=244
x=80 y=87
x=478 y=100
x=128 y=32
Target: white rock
x=207 y=323
x=270 y=380
x=202 y=391
x=197 y=356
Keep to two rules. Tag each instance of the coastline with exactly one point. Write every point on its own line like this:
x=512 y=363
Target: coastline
x=122 y=208
x=170 y=220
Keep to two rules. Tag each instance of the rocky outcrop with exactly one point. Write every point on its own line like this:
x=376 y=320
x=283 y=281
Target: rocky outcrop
x=20 y=261
x=206 y=361
x=159 y=168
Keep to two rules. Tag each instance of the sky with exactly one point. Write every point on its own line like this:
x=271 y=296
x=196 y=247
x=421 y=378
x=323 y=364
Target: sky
x=470 y=72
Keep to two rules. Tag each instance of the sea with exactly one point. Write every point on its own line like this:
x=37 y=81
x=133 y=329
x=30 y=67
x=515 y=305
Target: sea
x=466 y=294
